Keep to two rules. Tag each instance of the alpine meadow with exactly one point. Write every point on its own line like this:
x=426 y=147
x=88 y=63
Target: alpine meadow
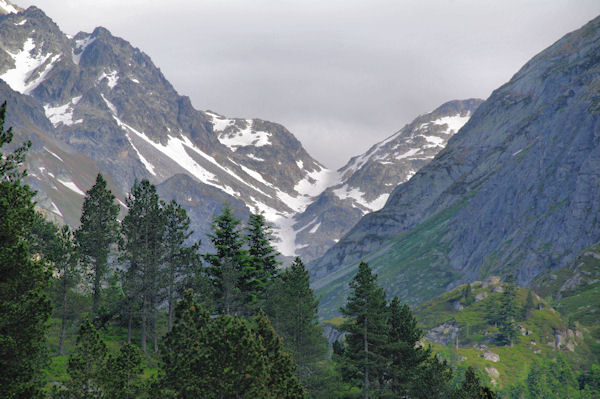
x=149 y=249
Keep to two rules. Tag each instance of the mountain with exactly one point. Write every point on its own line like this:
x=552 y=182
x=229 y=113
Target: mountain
x=367 y=180
x=93 y=103
x=514 y=191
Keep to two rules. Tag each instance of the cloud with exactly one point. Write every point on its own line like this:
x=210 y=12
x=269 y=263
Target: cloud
x=340 y=75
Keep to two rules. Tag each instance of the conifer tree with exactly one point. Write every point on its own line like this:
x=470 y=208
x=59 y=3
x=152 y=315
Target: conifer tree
x=226 y=266
x=529 y=305
x=24 y=305
x=281 y=380
x=97 y=233
x=143 y=232
x=362 y=362
x=471 y=387
x=179 y=258
x=401 y=351
x=507 y=329
x=212 y=358
x=293 y=307
x=86 y=364
x=65 y=259
x=122 y=374
x=262 y=264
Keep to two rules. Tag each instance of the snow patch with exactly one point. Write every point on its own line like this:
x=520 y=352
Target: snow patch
x=353 y=193
x=251 y=156
x=56 y=210
x=110 y=105
x=112 y=78
x=80 y=46
x=300 y=164
x=134 y=80
x=71 y=186
x=147 y=164
x=454 y=122
x=244 y=137
x=53 y=154
x=7 y=7
x=315 y=228
x=26 y=65
x=23 y=22
x=63 y=113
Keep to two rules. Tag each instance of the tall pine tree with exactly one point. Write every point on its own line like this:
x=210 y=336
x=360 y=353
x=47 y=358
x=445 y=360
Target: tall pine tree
x=262 y=265
x=363 y=362
x=402 y=352
x=293 y=307
x=179 y=258
x=64 y=256
x=143 y=232
x=97 y=233
x=24 y=305
x=86 y=364
x=227 y=265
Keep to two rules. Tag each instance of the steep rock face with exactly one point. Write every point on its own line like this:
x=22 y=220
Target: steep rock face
x=516 y=190
x=105 y=100
x=367 y=180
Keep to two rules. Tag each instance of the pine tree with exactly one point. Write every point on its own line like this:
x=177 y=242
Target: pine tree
x=471 y=387
x=179 y=258
x=281 y=380
x=122 y=375
x=262 y=265
x=24 y=305
x=293 y=307
x=402 y=352
x=97 y=233
x=227 y=265
x=432 y=380
x=507 y=329
x=64 y=256
x=212 y=358
x=143 y=232
x=365 y=308
x=86 y=365
x=529 y=305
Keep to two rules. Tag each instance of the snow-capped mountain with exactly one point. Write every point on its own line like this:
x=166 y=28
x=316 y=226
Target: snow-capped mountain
x=367 y=180
x=93 y=103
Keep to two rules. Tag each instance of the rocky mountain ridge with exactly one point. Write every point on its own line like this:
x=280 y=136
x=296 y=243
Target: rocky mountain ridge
x=96 y=97
x=515 y=191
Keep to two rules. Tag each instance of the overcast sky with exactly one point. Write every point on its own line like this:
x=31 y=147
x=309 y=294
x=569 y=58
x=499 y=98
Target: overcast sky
x=339 y=74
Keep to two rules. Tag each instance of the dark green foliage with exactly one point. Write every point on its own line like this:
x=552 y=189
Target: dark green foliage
x=471 y=387
x=551 y=379
x=589 y=382
x=24 y=305
x=281 y=380
x=468 y=297
x=86 y=365
x=529 y=305
x=508 y=311
x=226 y=266
x=401 y=351
x=10 y=162
x=180 y=260
x=64 y=256
x=218 y=358
x=363 y=362
x=97 y=233
x=293 y=308
x=262 y=264
x=432 y=380
x=121 y=379
x=143 y=249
